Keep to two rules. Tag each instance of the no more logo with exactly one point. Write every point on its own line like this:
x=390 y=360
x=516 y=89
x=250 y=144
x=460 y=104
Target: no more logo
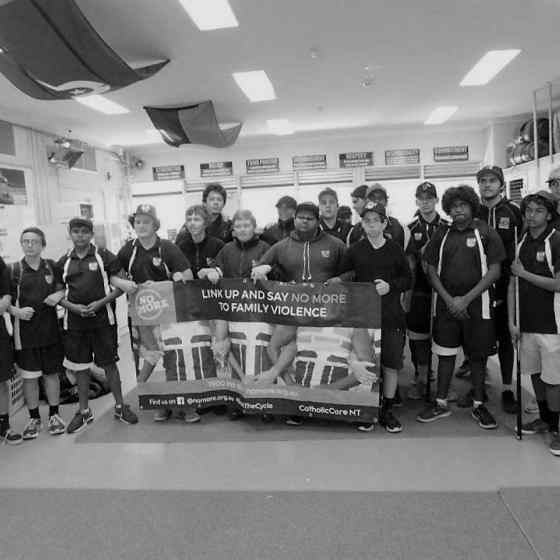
x=150 y=305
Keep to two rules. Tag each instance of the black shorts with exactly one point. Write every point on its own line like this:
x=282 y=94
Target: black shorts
x=6 y=359
x=475 y=335
x=99 y=346
x=392 y=347
x=34 y=362
x=418 y=318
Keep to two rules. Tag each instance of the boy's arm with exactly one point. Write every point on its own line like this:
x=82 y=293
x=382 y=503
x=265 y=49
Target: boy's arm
x=549 y=284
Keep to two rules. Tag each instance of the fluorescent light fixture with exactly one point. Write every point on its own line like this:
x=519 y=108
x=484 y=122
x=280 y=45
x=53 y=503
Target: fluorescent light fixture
x=210 y=14
x=280 y=126
x=101 y=104
x=441 y=114
x=488 y=66
x=255 y=85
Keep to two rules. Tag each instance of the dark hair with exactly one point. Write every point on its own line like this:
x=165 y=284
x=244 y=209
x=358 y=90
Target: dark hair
x=36 y=231
x=344 y=211
x=461 y=192
x=541 y=198
x=360 y=192
x=214 y=187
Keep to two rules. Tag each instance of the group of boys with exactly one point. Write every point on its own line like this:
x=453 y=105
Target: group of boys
x=448 y=285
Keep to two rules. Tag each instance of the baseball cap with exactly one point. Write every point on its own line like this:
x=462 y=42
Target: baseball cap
x=374 y=207
x=328 y=192
x=426 y=188
x=376 y=188
x=309 y=207
x=80 y=222
x=491 y=170
x=145 y=210
x=287 y=201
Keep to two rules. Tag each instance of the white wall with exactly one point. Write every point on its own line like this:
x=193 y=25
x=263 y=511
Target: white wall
x=261 y=200
x=55 y=194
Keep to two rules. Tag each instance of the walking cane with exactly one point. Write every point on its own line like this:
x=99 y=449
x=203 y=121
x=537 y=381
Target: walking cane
x=518 y=434
x=428 y=395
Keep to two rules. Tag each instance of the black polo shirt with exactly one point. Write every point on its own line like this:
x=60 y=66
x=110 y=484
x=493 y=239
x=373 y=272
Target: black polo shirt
x=84 y=284
x=386 y=263
x=421 y=232
x=537 y=310
x=200 y=255
x=340 y=229
x=461 y=266
x=504 y=217
x=4 y=291
x=157 y=263
x=394 y=231
x=34 y=286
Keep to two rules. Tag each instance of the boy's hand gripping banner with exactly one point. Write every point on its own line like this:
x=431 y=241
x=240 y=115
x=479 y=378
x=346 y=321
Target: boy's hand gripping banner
x=267 y=348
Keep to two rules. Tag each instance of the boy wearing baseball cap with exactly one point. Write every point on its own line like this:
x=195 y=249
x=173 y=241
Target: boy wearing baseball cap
x=418 y=319
x=463 y=262
x=381 y=261
x=505 y=217
x=89 y=321
x=537 y=266
x=286 y=207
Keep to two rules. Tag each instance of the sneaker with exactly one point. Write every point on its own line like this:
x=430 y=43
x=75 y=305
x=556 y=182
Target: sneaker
x=125 y=414
x=293 y=421
x=192 y=416
x=390 y=422
x=162 y=415
x=485 y=420
x=8 y=436
x=464 y=370
x=532 y=407
x=366 y=427
x=509 y=404
x=537 y=426
x=31 y=431
x=267 y=418
x=555 y=445
x=80 y=421
x=416 y=391
x=433 y=413
x=235 y=414
x=56 y=425
x=466 y=401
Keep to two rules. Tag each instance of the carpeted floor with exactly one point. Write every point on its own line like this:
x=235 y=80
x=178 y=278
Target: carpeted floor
x=218 y=428
x=537 y=510
x=149 y=525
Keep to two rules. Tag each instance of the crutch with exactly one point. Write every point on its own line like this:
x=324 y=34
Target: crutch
x=518 y=433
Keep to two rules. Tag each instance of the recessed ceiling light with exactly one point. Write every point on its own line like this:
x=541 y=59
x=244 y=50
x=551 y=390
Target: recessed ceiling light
x=441 y=114
x=281 y=127
x=488 y=66
x=255 y=85
x=101 y=104
x=1 y=50
x=210 y=14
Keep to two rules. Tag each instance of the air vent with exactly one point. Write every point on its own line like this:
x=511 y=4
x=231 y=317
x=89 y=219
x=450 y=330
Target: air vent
x=321 y=177
x=259 y=181
x=392 y=172
x=465 y=169
x=515 y=190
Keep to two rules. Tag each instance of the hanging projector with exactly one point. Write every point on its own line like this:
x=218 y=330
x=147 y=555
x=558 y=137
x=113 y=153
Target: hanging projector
x=63 y=154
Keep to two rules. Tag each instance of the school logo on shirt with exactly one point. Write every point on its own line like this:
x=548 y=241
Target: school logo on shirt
x=418 y=236
x=156 y=261
x=93 y=266
x=209 y=261
x=326 y=254
x=49 y=278
x=540 y=256
x=503 y=223
x=471 y=242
